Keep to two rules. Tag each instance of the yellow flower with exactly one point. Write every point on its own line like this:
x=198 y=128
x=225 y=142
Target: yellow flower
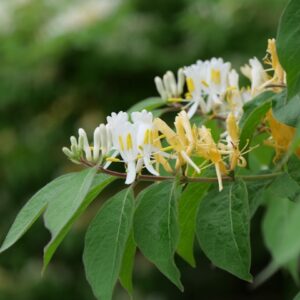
x=279 y=76
x=281 y=135
x=235 y=155
x=182 y=141
x=207 y=148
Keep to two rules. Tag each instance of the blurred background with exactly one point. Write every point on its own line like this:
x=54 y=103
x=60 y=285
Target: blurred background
x=67 y=64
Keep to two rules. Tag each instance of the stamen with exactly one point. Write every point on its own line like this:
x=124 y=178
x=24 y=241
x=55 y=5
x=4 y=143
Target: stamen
x=129 y=142
x=121 y=143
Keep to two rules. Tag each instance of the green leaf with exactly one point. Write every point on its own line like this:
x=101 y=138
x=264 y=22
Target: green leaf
x=281 y=229
x=293 y=268
x=187 y=211
x=127 y=264
x=156 y=227
x=148 y=104
x=256 y=195
x=223 y=229
x=253 y=117
x=58 y=189
x=284 y=186
x=297 y=297
x=105 y=243
x=255 y=103
x=289 y=113
x=32 y=210
x=288 y=46
x=64 y=209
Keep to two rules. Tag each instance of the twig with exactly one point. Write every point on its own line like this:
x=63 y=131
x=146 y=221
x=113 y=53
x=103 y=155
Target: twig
x=184 y=179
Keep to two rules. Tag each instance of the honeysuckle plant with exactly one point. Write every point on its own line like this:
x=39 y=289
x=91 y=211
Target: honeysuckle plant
x=205 y=171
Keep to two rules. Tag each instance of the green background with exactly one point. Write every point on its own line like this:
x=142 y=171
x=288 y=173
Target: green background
x=67 y=64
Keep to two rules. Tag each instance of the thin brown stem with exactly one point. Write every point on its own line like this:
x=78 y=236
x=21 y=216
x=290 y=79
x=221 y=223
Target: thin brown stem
x=184 y=179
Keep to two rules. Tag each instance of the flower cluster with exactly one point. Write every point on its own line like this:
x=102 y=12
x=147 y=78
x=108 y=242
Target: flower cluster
x=212 y=86
x=142 y=142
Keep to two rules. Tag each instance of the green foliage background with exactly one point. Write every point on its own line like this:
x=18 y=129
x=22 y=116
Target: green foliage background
x=56 y=77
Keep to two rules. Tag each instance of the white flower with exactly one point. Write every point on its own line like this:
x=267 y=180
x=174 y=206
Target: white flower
x=257 y=75
x=144 y=122
x=134 y=142
x=167 y=86
x=207 y=84
x=125 y=142
x=81 y=149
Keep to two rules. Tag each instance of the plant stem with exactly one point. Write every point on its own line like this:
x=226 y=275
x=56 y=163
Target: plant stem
x=185 y=179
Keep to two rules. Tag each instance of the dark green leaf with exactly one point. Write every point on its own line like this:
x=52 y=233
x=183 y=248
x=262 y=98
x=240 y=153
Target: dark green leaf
x=148 y=104
x=297 y=297
x=293 y=268
x=223 y=229
x=156 y=227
x=187 y=211
x=256 y=196
x=64 y=209
x=253 y=118
x=288 y=46
x=281 y=229
x=255 y=103
x=284 y=186
x=127 y=264
x=67 y=191
x=289 y=113
x=105 y=243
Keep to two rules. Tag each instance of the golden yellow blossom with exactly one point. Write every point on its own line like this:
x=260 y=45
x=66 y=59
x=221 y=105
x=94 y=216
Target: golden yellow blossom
x=182 y=141
x=235 y=154
x=207 y=148
x=279 y=76
x=281 y=135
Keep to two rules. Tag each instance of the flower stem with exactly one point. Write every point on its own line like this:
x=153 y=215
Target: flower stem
x=185 y=179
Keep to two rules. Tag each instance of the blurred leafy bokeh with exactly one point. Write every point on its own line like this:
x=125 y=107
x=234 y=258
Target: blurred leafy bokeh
x=67 y=64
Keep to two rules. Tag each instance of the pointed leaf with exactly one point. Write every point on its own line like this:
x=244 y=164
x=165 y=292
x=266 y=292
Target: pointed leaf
x=281 y=229
x=223 y=229
x=288 y=45
x=148 y=104
x=187 y=211
x=156 y=227
x=36 y=206
x=64 y=209
x=127 y=264
x=106 y=241
x=297 y=297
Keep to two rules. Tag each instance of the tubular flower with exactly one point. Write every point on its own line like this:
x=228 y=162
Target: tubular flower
x=279 y=76
x=207 y=83
x=281 y=135
x=134 y=142
x=80 y=149
x=182 y=141
x=233 y=140
x=167 y=86
x=255 y=72
x=207 y=148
